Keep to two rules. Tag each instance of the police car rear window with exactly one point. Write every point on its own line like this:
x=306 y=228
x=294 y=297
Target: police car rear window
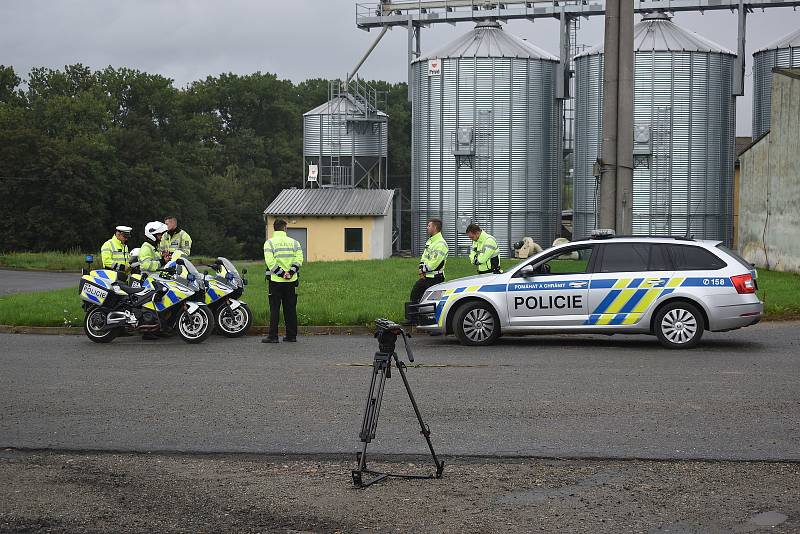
x=732 y=253
x=689 y=258
x=631 y=257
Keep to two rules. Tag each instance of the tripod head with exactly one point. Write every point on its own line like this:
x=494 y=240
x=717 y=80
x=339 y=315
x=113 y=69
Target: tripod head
x=386 y=333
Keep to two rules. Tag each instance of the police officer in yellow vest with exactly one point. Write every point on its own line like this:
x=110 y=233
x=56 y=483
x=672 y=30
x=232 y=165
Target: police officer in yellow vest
x=175 y=242
x=431 y=265
x=283 y=257
x=114 y=252
x=485 y=254
x=150 y=260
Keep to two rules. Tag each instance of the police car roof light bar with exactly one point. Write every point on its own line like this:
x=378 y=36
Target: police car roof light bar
x=644 y=236
x=603 y=233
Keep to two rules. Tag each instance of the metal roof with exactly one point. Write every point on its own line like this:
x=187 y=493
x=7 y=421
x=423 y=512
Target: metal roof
x=332 y=202
x=340 y=105
x=787 y=41
x=656 y=32
x=488 y=39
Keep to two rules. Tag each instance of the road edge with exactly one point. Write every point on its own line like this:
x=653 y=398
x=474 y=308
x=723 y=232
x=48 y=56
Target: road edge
x=254 y=331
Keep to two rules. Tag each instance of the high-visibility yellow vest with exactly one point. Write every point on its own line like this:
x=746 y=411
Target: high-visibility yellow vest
x=434 y=256
x=178 y=244
x=149 y=258
x=114 y=254
x=485 y=254
x=282 y=254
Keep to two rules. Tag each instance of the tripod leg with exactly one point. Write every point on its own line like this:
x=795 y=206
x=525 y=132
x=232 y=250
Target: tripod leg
x=424 y=429
x=369 y=423
x=365 y=424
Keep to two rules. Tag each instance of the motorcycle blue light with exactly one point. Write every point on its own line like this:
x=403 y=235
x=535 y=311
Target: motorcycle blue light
x=229 y=276
x=89 y=258
x=191 y=277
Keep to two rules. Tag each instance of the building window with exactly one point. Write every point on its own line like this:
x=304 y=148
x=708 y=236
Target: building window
x=353 y=240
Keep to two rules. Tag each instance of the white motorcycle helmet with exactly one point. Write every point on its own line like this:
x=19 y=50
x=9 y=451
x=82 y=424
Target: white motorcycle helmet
x=153 y=228
x=135 y=253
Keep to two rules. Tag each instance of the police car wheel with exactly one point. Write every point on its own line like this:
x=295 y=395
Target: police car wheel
x=476 y=324
x=679 y=325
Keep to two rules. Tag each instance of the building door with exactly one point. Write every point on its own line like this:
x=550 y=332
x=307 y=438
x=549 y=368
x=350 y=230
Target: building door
x=301 y=235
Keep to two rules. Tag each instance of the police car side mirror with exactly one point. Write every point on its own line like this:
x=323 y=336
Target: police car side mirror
x=527 y=271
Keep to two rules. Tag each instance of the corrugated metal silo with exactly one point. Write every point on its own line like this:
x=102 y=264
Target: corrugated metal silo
x=486 y=140
x=348 y=143
x=684 y=132
x=783 y=53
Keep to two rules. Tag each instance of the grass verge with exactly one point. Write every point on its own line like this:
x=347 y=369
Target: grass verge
x=342 y=293
x=330 y=293
x=70 y=261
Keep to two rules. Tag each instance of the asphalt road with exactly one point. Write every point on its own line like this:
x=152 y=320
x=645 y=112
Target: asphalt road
x=23 y=281
x=736 y=397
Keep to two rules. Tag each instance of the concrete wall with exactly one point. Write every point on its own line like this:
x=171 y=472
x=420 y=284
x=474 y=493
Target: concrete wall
x=381 y=239
x=769 y=195
x=325 y=236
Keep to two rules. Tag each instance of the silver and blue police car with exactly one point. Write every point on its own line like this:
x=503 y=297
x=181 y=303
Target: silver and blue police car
x=675 y=288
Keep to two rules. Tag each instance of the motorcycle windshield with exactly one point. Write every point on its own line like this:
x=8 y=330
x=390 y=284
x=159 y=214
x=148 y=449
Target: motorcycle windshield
x=188 y=275
x=228 y=267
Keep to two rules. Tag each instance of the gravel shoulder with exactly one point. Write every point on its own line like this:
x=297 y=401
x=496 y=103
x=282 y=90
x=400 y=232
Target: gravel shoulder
x=132 y=493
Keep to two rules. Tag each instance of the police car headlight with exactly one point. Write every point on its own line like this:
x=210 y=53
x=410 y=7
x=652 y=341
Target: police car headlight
x=432 y=295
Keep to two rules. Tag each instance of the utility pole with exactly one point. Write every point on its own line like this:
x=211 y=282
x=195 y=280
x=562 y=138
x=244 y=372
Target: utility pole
x=625 y=121
x=614 y=207
x=606 y=204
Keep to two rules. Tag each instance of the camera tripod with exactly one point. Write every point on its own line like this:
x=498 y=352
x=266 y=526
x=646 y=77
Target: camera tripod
x=386 y=333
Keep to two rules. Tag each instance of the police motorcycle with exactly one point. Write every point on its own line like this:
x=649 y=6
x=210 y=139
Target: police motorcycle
x=171 y=299
x=224 y=288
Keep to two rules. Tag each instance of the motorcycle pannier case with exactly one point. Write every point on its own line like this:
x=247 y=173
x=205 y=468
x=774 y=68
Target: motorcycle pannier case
x=95 y=287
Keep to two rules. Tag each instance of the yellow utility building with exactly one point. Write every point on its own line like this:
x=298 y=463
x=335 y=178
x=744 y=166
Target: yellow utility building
x=336 y=224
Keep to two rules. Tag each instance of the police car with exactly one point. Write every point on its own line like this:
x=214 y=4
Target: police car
x=672 y=287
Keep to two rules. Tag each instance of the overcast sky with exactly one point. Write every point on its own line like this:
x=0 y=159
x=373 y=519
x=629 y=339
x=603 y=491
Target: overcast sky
x=297 y=39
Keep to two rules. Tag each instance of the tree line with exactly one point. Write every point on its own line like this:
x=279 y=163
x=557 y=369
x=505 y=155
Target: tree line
x=82 y=151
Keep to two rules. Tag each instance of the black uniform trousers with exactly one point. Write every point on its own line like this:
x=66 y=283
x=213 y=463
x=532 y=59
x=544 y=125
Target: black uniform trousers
x=283 y=294
x=422 y=284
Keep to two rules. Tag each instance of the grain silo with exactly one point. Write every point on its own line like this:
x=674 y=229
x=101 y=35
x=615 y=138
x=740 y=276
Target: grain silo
x=346 y=140
x=486 y=140
x=683 y=133
x=783 y=53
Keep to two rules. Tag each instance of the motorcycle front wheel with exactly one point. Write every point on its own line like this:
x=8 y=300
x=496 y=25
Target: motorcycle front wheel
x=93 y=324
x=195 y=327
x=234 y=323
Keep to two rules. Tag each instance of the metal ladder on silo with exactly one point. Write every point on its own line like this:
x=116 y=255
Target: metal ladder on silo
x=660 y=175
x=484 y=164
x=367 y=101
x=334 y=167
x=569 y=103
